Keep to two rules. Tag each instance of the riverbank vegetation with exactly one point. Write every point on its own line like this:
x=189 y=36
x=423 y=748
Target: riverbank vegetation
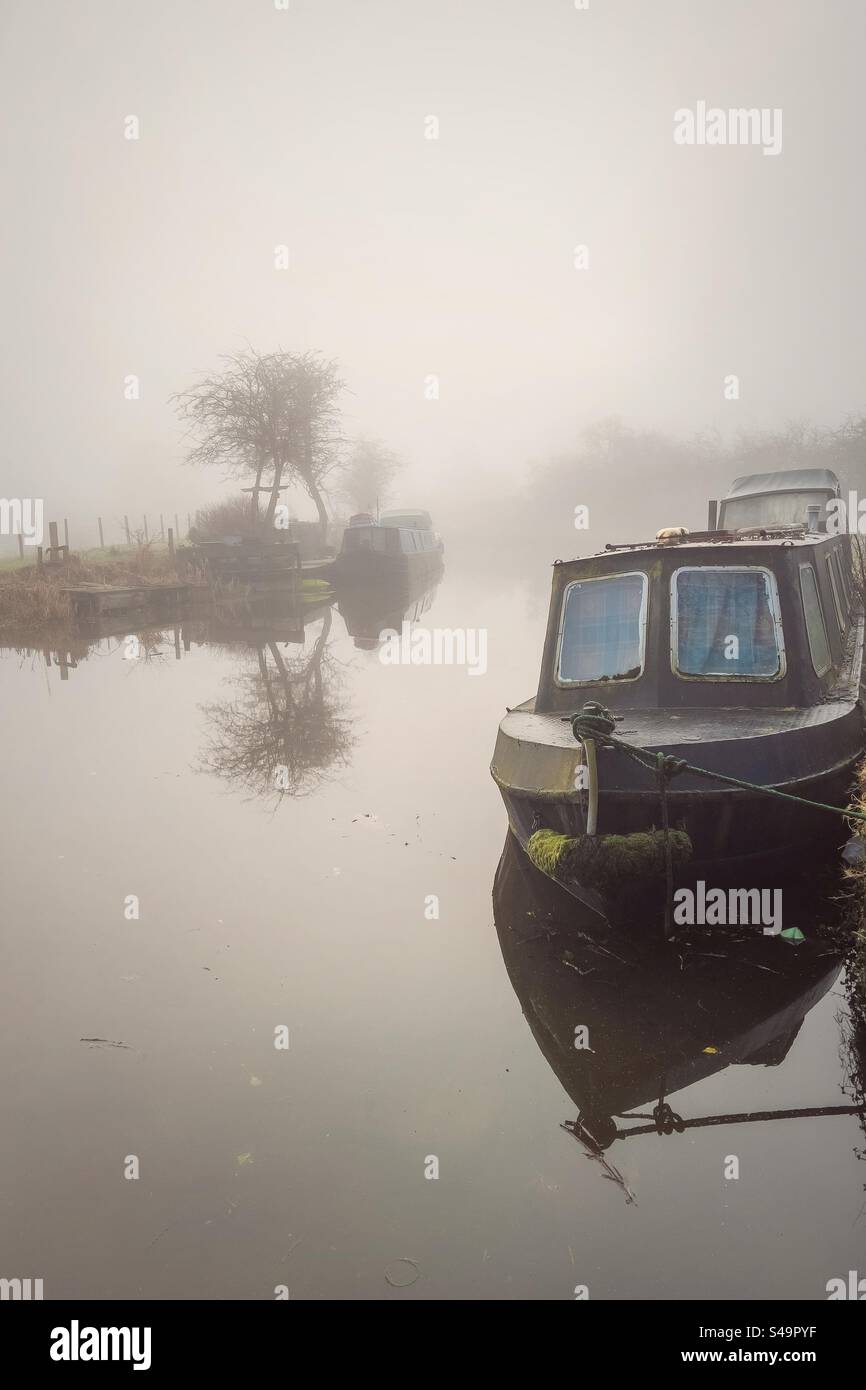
x=33 y=598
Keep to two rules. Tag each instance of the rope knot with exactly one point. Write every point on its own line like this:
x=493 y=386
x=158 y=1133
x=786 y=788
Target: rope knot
x=594 y=721
x=666 y=1121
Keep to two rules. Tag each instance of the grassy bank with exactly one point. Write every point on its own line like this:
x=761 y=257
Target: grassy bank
x=99 y=555
x=33 y=599
x=855 y=876
x=33 y=603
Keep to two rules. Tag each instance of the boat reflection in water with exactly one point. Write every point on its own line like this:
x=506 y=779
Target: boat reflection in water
x=369 y=611
x=659 y=1017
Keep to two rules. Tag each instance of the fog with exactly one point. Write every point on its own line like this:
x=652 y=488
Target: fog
x=412 y=257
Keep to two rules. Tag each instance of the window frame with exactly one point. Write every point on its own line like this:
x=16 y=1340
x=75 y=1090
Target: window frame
x=843 y=580
x=643 y=618
x=820 y=674
x=775 y=611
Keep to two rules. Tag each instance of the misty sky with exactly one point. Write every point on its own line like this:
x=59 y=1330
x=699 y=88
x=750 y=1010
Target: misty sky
x=411 y=256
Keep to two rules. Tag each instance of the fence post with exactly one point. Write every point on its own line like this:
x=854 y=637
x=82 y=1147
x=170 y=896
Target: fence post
x=171 y=542
x=101 y=541
x=126 y=528
x=66 y=533
x=146 y=537
x=20 y=546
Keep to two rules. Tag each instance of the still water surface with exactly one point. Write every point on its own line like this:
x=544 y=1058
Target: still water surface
x=306 y=1167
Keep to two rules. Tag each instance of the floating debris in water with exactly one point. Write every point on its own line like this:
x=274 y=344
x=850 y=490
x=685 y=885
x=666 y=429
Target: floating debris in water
x=414 y=1270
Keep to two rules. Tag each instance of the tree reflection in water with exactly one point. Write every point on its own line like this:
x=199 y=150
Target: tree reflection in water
x=285 y=730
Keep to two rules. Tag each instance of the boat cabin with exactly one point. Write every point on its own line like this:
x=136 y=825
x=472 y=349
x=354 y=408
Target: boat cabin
x=396 y=533
x=795 y=497
x=708 y=620
x=414 y=521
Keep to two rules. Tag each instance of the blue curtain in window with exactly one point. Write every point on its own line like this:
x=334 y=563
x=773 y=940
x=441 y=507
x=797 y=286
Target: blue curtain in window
x=601 y=629
x=714 y=606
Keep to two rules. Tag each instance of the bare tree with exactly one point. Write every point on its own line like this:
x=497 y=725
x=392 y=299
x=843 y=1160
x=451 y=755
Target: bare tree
x=273 y=414
x=368 y=474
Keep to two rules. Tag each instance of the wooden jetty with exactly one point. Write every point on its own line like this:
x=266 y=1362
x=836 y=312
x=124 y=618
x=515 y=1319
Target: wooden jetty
x=92 y=600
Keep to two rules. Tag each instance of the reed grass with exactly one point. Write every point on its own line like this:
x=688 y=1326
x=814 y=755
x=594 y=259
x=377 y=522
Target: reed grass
x=855 y=876
x=32 y=599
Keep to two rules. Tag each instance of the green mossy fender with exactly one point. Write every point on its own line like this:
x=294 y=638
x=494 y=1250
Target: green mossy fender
x=604 y=861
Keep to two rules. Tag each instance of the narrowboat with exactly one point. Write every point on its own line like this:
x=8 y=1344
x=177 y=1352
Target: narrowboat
x=735 y=652
x=399 y=547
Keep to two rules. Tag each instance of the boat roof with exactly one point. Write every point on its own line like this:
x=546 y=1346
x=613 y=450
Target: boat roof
x=746 y=538
x=785 y=480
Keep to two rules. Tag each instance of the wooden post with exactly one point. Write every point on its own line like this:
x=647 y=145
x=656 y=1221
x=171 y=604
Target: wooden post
x=39 y=557
x=146 y=537
x=66 y=533
x=176 y=528
x=101 y=541
x=188 y=524
x=53 y=538
x=161 y=528
x=126 y=528
x=592 y=770
x=176 y=638
x=20 y=546
x=171 y=542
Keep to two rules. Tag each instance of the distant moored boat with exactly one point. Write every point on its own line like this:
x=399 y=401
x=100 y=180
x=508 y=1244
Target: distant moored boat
x=401 y=545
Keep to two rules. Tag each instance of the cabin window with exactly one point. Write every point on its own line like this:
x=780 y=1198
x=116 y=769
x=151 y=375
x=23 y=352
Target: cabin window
x=603 y=630
x=726 y=624
x=357 y=538
x=835 y=585
x=815 y=629
x=844 y=577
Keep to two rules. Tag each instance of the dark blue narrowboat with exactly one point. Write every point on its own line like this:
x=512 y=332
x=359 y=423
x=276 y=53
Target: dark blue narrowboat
x=736 y=651
x=401 y=547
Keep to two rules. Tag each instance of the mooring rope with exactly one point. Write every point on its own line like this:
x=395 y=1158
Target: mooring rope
x=596 y=722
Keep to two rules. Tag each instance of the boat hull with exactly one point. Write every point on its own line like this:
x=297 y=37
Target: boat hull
x=376 y=570
x=739 y=837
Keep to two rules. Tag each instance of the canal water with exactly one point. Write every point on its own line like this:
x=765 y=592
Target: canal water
x=261 y=1033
